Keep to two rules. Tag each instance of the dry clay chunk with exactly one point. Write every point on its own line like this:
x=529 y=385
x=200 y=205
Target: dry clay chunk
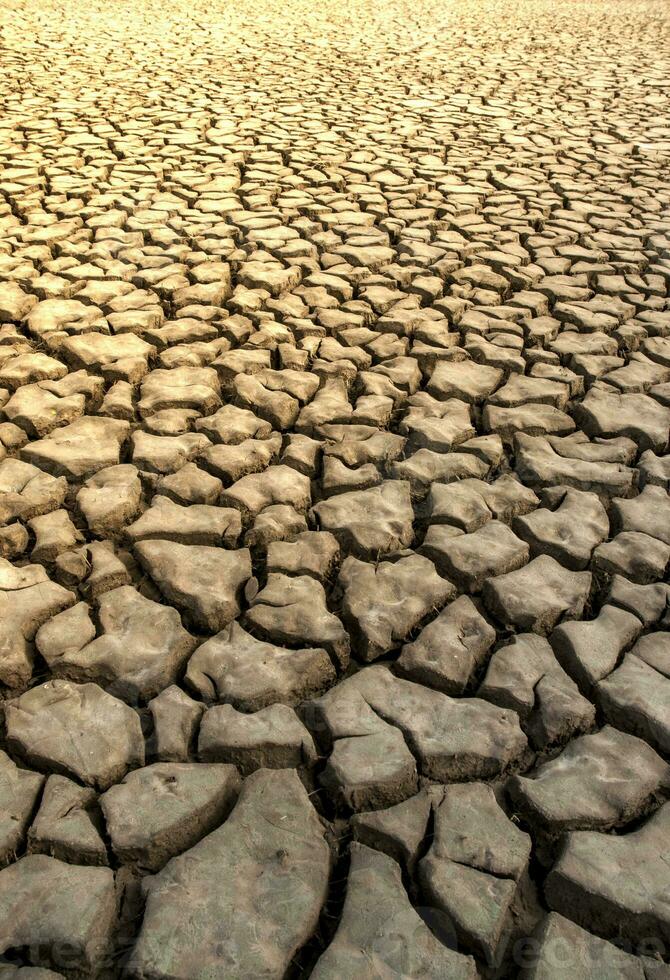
x=636 y=698
x=562 y=950
x=381 y=935
x=568 y=529
x=141 y=647
x=163 y=809
x=292 y=610
x=194 y=524
x=206 y=583
x=25 y=491
x=311 y=553
x=80 y=449
x=27 y=599
x=452 y=738
x=369 y=522
x=371 y=770
x=382 y=603
x=19 y=791
x=470 y=559
x=598 y=782
x=526 y=676
x=536 y=597
x=236 y=668
x=590 y=649
x=539 y=463
x=176 y=718
x=77 y=730
x=272 y=738
x=398 y=830
x=63 y=913
x=616 y=886
x=450 y=649
x=110 y=499
x=250 y=921
x=68 y=825
x=473 y=865
x=276 y=485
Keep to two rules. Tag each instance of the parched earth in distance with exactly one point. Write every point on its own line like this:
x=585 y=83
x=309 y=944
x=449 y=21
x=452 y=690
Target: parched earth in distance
x=334 y=469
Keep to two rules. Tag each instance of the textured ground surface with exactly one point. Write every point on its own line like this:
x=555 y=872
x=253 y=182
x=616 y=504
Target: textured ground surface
x=335 y=528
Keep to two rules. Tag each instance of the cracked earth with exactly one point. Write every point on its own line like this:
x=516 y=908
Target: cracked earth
x=334 y=470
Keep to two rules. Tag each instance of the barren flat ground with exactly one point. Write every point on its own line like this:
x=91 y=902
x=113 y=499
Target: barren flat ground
x=334 y=471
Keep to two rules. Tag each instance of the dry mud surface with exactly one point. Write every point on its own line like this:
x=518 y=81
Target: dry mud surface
x=335 y=529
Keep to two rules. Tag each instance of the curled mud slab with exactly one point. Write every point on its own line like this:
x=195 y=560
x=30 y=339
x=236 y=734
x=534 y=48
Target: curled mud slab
x=334 y=472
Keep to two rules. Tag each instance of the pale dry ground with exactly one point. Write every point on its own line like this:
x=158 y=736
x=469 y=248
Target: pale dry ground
x=334 y=518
